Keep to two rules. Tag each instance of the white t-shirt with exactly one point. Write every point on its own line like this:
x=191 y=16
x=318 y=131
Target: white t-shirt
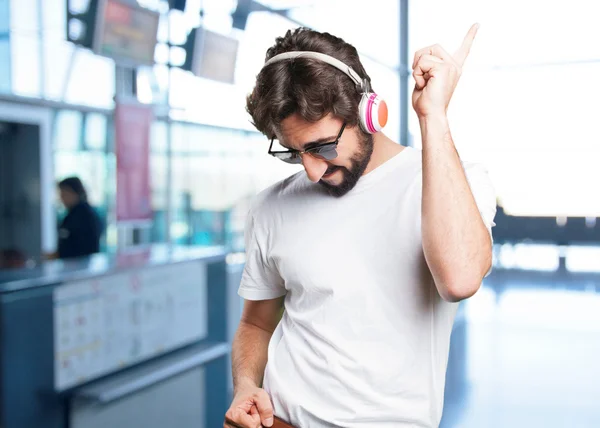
x=365 y=335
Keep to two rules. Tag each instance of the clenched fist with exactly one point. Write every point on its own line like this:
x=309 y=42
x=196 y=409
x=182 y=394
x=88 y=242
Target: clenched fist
x=251 y=408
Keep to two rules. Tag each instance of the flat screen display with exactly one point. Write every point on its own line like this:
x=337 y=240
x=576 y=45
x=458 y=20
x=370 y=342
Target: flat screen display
x=126 y=32
x=214 y=56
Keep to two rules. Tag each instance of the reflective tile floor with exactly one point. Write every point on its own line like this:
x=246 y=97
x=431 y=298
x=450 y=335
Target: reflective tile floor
x=525 y=351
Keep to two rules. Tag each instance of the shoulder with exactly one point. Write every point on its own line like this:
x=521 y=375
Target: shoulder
x=475 y=171
x=85 y=210
x=413 y=161
x=478 y=177
x=411 y=174
x=475 y=168
x=84 y=215
x=273 y=198
x=408 y=169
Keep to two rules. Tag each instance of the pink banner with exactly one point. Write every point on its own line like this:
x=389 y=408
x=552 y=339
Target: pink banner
x=132 y=131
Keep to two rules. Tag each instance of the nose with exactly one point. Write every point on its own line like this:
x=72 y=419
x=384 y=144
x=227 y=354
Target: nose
x=315 y=168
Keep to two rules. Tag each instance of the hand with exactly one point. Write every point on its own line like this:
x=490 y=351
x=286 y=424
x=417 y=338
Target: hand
x=250 y=408
x=50 y=256
x=436 y=74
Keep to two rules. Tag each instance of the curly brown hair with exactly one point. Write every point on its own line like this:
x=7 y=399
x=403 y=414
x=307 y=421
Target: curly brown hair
x=306 y=86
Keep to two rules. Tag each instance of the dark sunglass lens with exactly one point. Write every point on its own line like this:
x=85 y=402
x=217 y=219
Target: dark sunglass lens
x=288 y=157
x=327 y=153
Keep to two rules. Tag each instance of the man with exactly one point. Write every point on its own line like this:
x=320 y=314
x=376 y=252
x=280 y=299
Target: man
x=368 y=249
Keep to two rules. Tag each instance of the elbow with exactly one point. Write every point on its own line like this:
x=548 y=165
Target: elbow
x=464 y=285
x=460 y=290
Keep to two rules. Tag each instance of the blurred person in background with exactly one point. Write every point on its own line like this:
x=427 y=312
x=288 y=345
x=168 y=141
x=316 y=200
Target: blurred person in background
x=80 y=231
x=368 y=250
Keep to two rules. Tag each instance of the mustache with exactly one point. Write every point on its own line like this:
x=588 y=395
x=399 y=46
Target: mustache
x=332 y=169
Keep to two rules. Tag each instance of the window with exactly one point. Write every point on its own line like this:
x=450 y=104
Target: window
x=519 y=107
x=25 y=62
x=67 y=130
x=25 y=48
x=81 y=149
x=5 y=63
x=215 y=173
x=159 y=179
x=95 y=131
x=87 y=69
x=220 y=104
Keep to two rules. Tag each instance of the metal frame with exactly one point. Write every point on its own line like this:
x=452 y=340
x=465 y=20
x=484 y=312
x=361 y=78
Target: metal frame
x=57 y=105
x=404 y=74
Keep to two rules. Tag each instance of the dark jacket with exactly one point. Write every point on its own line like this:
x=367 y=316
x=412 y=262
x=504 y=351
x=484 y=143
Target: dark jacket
x=79 y=233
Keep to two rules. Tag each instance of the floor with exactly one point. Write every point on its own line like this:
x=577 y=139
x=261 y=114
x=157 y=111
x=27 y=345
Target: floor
x=525 y=350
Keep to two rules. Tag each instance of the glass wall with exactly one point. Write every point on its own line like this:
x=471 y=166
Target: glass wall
x=527 y=104
x=82 y=148
x=216 y=168
x=44 y=65
x=215 y=173
x=206 y=160
x=159 y=180
x=5 y=46
x=205 y=101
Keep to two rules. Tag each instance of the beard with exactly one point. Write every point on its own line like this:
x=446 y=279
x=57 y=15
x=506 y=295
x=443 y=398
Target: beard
x=359 y=162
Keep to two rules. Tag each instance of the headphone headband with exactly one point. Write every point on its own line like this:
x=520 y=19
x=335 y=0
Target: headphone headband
x=372 y=110
x=325 y=58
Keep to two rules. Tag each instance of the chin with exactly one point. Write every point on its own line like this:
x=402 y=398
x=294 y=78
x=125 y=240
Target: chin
x=334 y=179
x=336 y=189
x=340 y=182
x=336 y=192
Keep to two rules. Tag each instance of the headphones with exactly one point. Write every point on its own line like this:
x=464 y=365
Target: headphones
x=373 y=111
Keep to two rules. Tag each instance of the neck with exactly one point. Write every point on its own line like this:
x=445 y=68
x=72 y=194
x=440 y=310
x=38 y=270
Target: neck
x=383 y=150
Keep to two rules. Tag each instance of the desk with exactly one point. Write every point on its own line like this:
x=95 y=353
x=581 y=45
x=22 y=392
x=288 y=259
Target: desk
x=116 y=332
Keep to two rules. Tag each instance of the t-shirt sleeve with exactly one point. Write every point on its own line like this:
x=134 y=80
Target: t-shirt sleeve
x=484 y=194
x=260 y=279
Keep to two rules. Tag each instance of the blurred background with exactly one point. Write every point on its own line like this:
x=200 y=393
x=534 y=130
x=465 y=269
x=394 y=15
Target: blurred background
x=144 y=102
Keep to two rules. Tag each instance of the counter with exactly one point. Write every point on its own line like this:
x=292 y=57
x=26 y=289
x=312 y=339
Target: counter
x=117 y=340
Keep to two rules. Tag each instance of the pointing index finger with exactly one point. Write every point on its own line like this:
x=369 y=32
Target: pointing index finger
x=461 y=54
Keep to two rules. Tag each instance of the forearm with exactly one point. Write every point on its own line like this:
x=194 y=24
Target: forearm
x=249 y=355
x=456 y=243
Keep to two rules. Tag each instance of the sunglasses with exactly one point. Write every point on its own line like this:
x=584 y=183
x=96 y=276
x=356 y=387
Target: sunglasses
x=326 y=151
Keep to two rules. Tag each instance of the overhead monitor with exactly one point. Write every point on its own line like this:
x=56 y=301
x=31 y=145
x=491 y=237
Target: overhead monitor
x=211 y=55
x=126 y=32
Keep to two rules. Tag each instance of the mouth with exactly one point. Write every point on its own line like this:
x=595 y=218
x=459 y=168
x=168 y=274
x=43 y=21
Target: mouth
x=330 y=172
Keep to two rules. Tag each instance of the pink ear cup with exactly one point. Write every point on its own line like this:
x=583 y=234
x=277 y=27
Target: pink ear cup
x=370 y=124
x=373 y=113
